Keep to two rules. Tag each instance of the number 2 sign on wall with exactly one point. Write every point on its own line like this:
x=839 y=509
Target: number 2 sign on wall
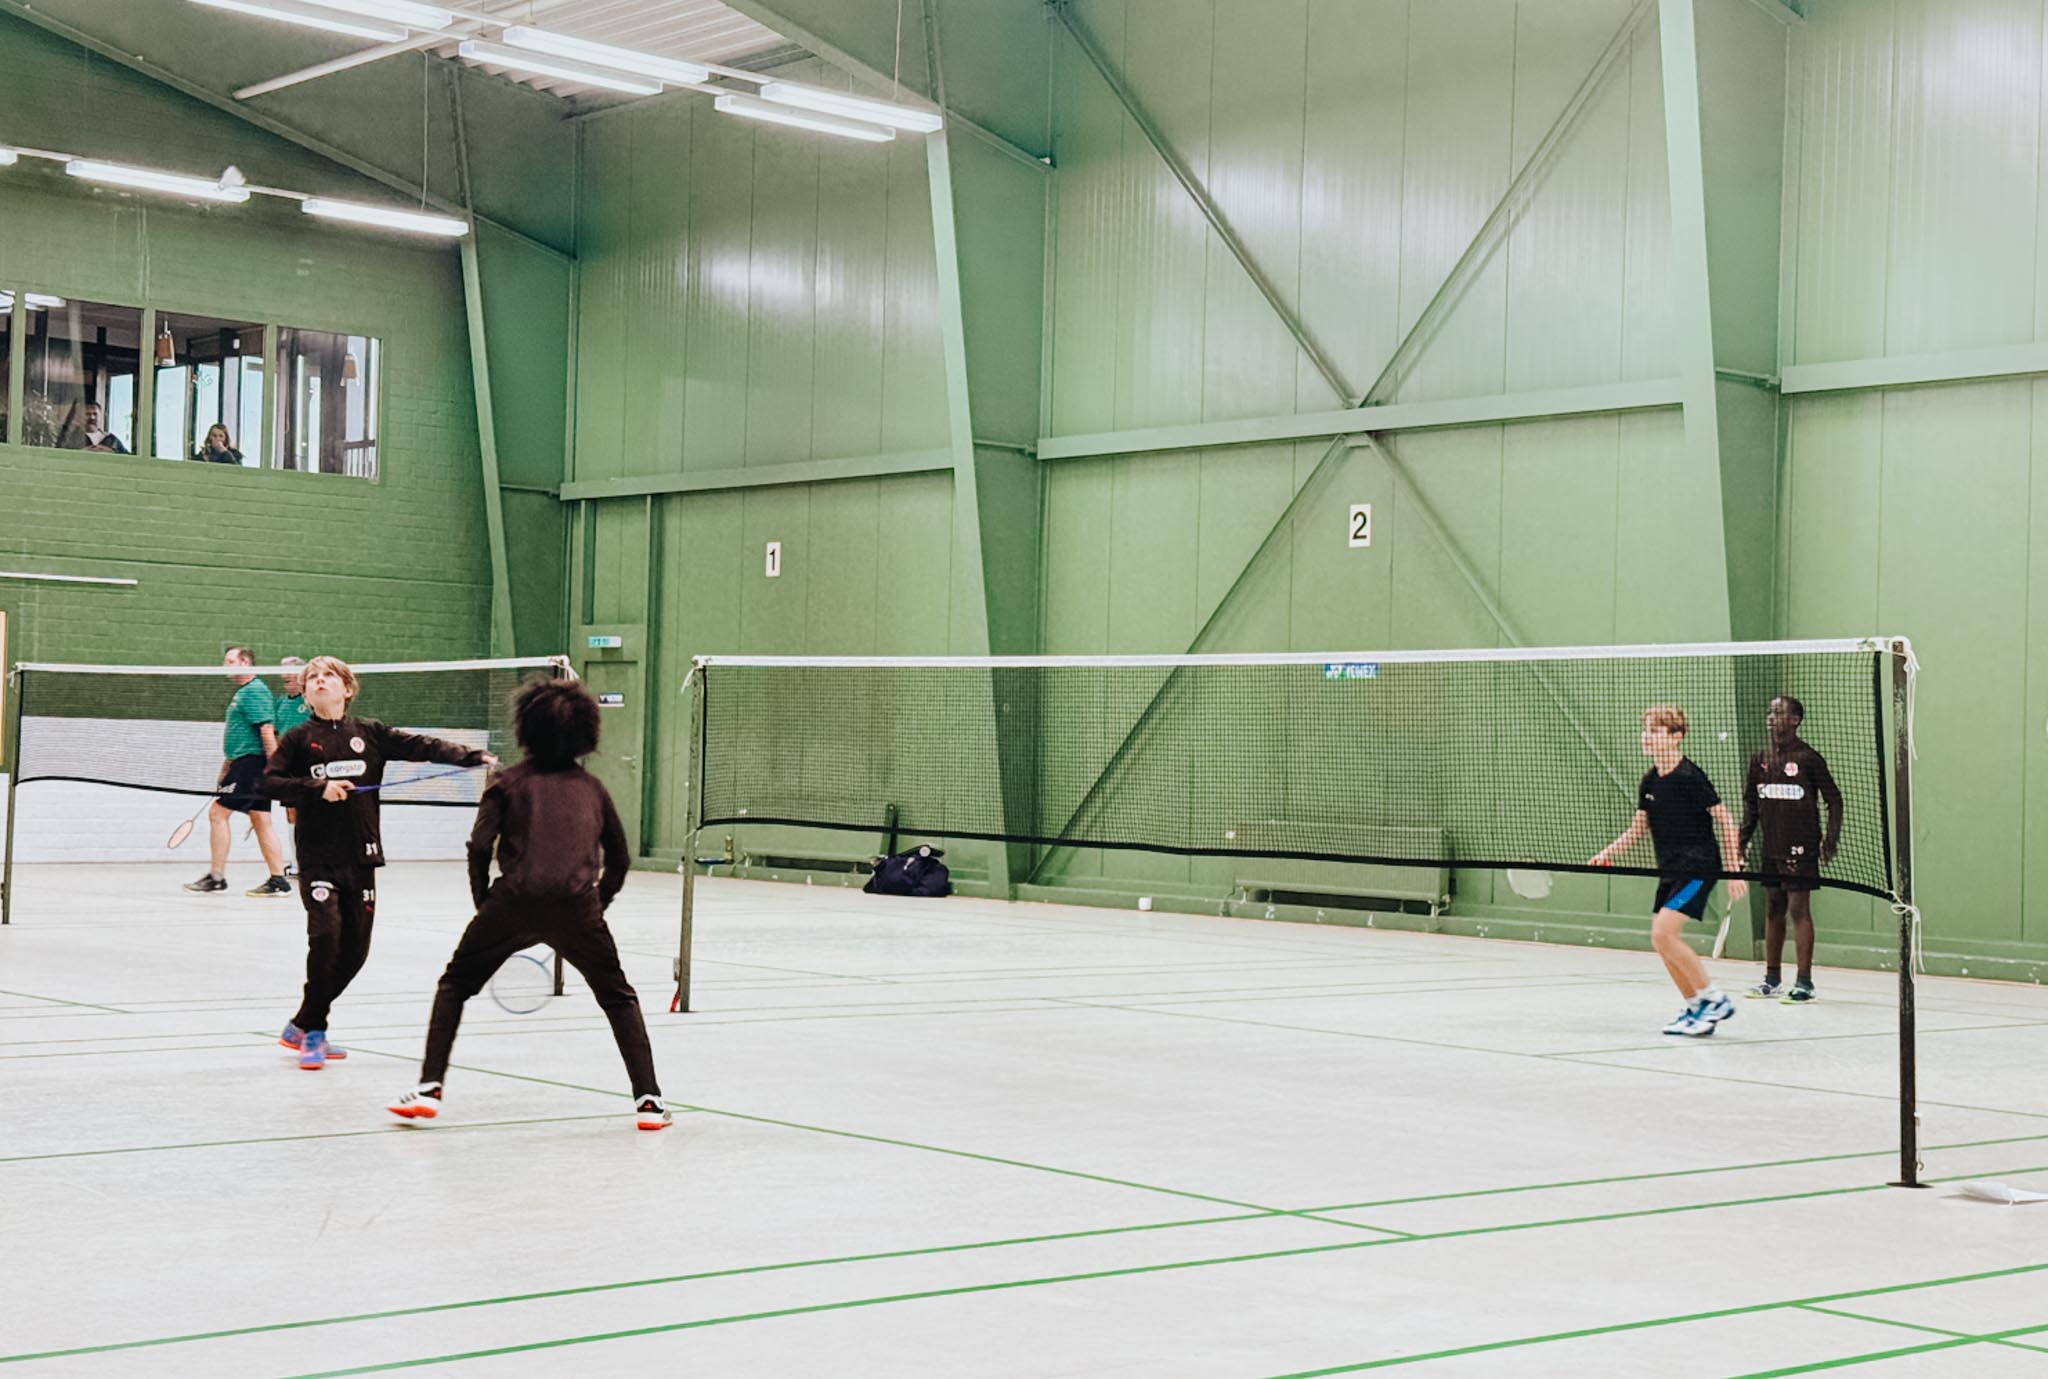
x=1361 y=524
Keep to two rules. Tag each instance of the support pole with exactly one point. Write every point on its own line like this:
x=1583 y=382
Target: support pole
x=693 y=819
x=1902 y=776
x=13 y=728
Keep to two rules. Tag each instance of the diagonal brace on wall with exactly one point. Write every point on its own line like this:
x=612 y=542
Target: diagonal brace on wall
x=1484 y=243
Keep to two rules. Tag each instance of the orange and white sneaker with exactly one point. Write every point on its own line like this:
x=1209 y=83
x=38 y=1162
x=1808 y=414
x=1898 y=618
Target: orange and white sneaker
x=649 y=1113
x=421 y=1103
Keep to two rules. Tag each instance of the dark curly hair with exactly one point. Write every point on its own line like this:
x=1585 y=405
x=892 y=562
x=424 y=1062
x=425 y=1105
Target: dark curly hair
x=556 y=721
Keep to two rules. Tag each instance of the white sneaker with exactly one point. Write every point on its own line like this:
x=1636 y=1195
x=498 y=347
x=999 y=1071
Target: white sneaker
x=1715 y=1011
x=421 y=1103
x=1691 y=1022
x=651 y=1113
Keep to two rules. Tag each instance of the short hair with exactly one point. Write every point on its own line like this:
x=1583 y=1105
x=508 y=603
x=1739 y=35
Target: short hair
x=1798 y=709
x=290 y=661
x=242 y=654
x=556 y=722
x=334 y=665
x=1667 y=716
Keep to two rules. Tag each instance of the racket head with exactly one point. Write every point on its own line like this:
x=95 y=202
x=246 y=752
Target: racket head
x=180 y=834
x=523 y=983
x=1530 y=883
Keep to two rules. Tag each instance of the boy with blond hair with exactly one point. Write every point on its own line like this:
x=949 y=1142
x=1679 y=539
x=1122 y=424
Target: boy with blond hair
x=1681 y=811
x=329 y=768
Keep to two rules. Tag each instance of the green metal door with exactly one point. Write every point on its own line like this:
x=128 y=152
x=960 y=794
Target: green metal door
x=617 y=759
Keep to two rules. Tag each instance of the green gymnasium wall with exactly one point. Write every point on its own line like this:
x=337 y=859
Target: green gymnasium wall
x=285 y=562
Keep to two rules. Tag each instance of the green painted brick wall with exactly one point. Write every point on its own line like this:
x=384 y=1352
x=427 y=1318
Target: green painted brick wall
x=287 y=562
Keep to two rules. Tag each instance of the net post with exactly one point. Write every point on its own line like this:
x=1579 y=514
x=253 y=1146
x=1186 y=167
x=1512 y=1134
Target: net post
x=693 y=687
x=1901 y=653
x=12 y=729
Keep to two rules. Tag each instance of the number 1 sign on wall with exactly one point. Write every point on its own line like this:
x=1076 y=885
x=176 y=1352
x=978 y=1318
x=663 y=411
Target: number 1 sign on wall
x=773 y=565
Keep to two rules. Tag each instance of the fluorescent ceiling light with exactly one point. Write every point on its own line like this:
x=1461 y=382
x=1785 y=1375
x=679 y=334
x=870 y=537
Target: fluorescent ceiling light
x=37 y=301
x=500 y=56
x=605 y=55
x=396 y=11
x=307 y=17
x=752 y=109
x=150 y=180
x=357 y=213
x=852 y=107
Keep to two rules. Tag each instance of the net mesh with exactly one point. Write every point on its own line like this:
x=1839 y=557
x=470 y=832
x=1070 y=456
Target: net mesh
x=1528 y=762
x=163 y=732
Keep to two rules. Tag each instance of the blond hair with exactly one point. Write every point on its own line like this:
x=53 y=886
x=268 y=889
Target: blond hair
x=1667 y=716
x=334 y=665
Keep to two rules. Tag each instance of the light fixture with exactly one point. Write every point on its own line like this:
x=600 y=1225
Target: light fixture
x=852 y=107
x=166 y=348
x=150 y=180
x=752 y=109
x=406 y=12
x=666 y=69
x=348 y=366
x=498 y=55
x=36 y=301
x=308 y=17
x=357 y=213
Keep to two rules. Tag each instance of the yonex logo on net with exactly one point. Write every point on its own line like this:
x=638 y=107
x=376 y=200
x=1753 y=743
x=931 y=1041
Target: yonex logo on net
x=1351 y=670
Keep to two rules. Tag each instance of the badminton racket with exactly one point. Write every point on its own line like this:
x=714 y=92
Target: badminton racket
x=523 y=983
x=184 y=829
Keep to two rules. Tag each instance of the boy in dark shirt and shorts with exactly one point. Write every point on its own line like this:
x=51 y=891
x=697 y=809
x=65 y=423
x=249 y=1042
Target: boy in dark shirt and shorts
x=321 y=768
x=1787 y=783
x=1678 y=807
x=562 y=858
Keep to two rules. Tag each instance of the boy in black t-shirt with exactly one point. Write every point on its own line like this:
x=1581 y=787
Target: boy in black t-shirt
x=328 y=768
x=1678 y=807
x=1788 y=781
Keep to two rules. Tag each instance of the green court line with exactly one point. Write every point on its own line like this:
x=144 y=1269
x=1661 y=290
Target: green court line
x=1992 y=1337
x=1792 y=1086
x=811 y=1309
x=1008 y=1285
x=1924 y=1327
x=393 y=1128
x=1487 y=1347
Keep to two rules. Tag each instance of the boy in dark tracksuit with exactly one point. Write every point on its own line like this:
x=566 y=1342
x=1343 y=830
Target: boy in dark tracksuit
x=328 y=769
x=562 y=858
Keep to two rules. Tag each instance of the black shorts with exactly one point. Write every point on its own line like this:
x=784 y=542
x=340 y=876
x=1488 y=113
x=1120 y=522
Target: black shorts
x=1685 y=894
x=241 y=789
x=1798 y=870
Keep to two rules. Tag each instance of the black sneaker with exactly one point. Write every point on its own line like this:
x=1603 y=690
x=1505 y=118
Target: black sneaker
x=1799 y=995
x=276 y=885
x=208 y=884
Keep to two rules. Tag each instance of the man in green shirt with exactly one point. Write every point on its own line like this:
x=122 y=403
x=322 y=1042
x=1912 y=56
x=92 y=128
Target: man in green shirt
x=291 y=711
x=248 y=742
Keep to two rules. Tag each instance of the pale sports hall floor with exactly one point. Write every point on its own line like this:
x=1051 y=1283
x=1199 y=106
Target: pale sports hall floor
x=970 y=1139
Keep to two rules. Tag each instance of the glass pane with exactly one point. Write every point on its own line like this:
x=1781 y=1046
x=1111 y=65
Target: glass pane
x=82 y=359
x=209 y=390
x=327 y=402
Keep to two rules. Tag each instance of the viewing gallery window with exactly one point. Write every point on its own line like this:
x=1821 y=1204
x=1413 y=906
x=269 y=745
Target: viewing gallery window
x=78 y=387
x=209 y=390
x=327 y=402
x=309 y=403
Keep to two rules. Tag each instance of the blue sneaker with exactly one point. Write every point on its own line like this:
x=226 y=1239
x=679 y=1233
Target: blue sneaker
x=313 y=1050
x=1714 y=1009
x=1691 y=1022
x=294 y=1039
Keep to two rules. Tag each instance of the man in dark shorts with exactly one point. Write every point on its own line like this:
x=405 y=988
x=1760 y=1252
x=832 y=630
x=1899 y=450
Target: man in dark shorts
x=331 y=768
x=562 y=857
x=247 y=743
x=1787 y=783
x=1681 y=811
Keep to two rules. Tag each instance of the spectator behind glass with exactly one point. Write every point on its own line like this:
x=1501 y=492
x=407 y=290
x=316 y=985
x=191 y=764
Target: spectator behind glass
x=219 y=449
x=96 y=435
